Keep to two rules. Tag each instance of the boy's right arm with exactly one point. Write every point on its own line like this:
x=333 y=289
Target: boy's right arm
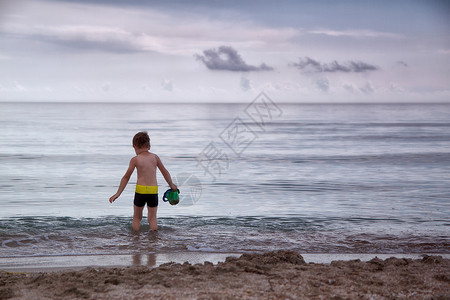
x=124 y=181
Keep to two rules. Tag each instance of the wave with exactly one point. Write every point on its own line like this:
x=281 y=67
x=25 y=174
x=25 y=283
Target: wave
x=37 y=236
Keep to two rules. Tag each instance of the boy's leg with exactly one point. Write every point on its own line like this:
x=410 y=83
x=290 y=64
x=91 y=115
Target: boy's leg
x=137 y=217
x=152 y=217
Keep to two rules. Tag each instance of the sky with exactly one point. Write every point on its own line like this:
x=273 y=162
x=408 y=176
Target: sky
x=225 y=51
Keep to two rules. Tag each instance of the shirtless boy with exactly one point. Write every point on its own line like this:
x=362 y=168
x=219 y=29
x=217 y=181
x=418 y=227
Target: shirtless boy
x=146 y=186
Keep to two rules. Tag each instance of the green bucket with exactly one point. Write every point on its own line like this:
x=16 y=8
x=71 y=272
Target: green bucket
x=172 y=196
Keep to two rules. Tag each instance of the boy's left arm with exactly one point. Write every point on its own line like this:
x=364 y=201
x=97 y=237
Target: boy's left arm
x=166 y=174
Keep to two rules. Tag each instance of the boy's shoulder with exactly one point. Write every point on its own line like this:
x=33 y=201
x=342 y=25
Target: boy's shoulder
x=151 y=154
x=154 y=154
x=156 y=157
x=146 y=154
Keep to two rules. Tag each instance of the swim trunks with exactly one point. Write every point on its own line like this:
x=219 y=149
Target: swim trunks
x=146 y=194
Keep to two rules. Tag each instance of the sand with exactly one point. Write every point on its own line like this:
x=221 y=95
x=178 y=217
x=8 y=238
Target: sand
x=272 y=275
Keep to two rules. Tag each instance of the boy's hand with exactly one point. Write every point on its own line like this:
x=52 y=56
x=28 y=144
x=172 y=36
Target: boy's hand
x=173 y=187
x=113 y=198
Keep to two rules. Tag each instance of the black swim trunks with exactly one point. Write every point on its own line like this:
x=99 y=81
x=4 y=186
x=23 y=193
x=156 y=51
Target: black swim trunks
x=141 y=199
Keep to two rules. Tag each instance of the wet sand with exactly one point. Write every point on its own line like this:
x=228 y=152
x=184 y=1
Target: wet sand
x=272 y=275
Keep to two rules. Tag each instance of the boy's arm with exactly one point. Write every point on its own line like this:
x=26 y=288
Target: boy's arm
x=166 y=174
x=124 y=181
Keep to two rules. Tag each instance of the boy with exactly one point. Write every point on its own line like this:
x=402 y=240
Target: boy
x=146 y=186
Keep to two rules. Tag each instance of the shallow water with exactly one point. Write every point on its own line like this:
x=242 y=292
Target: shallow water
x=313 y=178
x=37 y=236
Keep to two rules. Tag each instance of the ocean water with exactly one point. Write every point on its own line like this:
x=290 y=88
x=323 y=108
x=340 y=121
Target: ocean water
x=256 y=176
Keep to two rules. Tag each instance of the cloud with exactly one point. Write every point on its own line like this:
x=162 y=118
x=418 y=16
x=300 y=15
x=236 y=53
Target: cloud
x=109 y=39
x=245 y=84
x=444 y=51
x=228 y=59
x=123 y=27
x=356 y=33
x=396 y=88
x=308 y=64
x=106 y=87
x=18 y=87
x=323 y=84
x=402 y=64
x=367 y=88
x=167 y=85
x=349 y=87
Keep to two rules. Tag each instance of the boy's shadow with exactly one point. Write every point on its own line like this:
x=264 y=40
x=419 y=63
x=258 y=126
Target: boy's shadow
x=143 y=241
x=151 y=260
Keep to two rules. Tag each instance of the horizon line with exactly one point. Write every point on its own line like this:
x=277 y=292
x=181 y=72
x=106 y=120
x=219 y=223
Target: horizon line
x=214 y=102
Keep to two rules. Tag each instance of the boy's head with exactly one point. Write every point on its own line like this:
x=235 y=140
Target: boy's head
x=141 y=140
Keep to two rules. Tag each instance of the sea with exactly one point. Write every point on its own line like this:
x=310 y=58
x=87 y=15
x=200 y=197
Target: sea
x=254 y=176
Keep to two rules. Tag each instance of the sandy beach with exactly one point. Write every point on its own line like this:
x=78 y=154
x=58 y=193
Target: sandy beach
x=272 y=275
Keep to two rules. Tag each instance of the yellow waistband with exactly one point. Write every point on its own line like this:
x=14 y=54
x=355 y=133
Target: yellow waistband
x=144 y=189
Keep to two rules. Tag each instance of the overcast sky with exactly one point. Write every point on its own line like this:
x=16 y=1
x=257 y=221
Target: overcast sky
x=184 y=51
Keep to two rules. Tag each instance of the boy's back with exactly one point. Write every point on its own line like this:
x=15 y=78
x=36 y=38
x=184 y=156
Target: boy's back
x=146 y=164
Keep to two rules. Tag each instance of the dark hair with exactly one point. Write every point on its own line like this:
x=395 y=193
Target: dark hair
x=141 y=140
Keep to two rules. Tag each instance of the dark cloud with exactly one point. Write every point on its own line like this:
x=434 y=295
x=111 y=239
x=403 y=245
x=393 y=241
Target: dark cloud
x=402 y=63
x=228 y=59
x=308 y=64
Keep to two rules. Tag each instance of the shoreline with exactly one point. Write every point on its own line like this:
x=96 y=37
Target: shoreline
x=55 y=263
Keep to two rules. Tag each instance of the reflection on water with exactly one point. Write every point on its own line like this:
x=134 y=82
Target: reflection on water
x=144 y=260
